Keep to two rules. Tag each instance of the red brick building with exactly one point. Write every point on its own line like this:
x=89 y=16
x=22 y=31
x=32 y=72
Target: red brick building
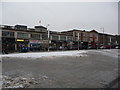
x=93 y=39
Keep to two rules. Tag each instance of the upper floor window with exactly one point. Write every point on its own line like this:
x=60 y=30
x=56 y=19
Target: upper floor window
x=36 y=36
x=91 y=34
x=44 y=36
x=55 y=37
x=62 y=37
x=22 y=35
x=69 y=38
x=7 y=34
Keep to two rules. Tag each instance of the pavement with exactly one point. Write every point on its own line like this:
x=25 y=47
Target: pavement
x=96 y=69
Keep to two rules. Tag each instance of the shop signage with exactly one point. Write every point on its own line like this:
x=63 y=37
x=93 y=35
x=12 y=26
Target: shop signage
x=45 y=41
x=34 y=41
x=20 y=40
x=40 y=41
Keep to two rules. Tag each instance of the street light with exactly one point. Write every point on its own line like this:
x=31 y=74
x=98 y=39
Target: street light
x=48 y=36
x=110 y=42
x=78 y=40
x=103 y=35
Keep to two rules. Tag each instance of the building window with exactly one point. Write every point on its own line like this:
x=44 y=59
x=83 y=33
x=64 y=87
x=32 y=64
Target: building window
x=22 y=35
x=44 y=36
x=91 y=35
x=7 y=34
x=69 y=38
x=62 y=37
x=35 y=36
x=91 y=39
x=55 y=37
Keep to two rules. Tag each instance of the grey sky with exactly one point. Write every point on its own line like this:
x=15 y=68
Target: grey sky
x=63 y=15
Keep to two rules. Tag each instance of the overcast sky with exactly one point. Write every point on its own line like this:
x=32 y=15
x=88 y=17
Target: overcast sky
x=63 y=15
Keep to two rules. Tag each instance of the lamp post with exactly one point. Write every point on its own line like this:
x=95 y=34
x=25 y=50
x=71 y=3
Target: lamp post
x=48 y=33
x=103 y=35
x=97 y=41
x=78 y=40
x=110 y=42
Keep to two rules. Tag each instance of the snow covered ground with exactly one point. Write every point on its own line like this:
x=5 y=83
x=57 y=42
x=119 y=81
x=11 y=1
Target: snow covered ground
x=75 y=71
x=47 y=54
x=108 y=52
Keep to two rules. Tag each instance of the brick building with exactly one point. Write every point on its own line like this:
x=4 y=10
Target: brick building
x=13 y=38
x=93 y=39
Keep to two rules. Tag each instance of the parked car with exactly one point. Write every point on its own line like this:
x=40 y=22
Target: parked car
x=24 y=49
x=89 y=47
x=107 y=46
x=52 y=48
x=74 y=47
x=117 y=47
x=35 y=47
x=102 y=47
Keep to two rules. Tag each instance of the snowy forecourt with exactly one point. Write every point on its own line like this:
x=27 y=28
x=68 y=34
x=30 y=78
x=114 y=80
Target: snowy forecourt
x=0 y=72
x=108 y=52
x=47 y=54
x=72 y=69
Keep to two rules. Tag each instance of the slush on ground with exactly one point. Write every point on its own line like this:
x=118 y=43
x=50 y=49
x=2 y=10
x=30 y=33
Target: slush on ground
x=61 y=69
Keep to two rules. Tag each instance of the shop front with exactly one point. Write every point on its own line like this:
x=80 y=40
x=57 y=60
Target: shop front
x=84 y=45
x=21 y=45
x=92 y=45
x=75 y=45
x=8 y=45
x=69 y=45
x=35 y=45
x=0 y=45
x=58 y=45
x=55 y=44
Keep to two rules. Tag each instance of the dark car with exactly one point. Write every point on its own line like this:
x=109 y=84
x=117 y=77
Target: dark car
x=24 y=49
x=52 y=48
x=117 y=47
x=35 y=47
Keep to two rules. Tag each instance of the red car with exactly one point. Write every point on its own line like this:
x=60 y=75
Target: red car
x=107 y=46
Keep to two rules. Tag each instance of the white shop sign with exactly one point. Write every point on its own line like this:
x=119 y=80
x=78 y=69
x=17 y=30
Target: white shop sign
x=34 y=41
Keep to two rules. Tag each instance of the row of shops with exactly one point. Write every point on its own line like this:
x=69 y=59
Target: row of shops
x=19 y=45
x=12 y=44
x=22 y=39
x=23 y=45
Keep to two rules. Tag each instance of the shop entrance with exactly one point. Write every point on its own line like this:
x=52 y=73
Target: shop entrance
x=22 y=45
x=8 y=45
